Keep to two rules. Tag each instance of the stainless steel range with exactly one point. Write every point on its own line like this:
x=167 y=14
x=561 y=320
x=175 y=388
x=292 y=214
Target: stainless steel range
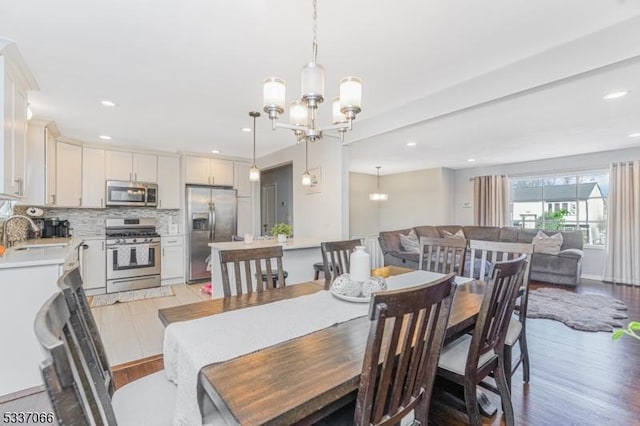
x=133 y=254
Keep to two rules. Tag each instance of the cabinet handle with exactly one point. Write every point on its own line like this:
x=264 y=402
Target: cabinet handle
x=19 y=183
x=80 y=200
x=53 y=198
x=163 y=252
x=129 y=176
x=159 y=203
x=101 y=202
x=103 y=246
x=135 y=177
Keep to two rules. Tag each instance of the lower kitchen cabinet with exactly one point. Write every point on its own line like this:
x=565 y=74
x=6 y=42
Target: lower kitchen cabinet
x=172 y=259
x=94 y=265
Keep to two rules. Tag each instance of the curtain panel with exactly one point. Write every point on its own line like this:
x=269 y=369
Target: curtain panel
x=491 y=200
x=623 y=226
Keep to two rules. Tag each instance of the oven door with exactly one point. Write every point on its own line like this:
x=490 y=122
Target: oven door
x=132 y=260
x=125 y=194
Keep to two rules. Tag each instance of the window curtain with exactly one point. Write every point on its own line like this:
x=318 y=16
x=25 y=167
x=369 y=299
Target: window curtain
x=491 y=200
x=623 y=226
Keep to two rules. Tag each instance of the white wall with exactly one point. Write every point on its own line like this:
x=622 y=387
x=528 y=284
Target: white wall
x=423 y=197
x=594 y=258
x=364 y=214
x=322 y=214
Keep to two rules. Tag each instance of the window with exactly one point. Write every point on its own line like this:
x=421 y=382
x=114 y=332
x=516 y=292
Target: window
x=563 y=203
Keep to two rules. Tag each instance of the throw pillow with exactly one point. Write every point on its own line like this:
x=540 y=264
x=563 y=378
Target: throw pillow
x=458 y=235
x=410 y=242
x=542 y=243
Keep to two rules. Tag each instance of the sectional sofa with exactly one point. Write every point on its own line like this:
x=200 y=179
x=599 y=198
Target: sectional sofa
x=563 y=268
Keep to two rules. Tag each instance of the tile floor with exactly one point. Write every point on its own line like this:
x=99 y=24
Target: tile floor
x=132 y=330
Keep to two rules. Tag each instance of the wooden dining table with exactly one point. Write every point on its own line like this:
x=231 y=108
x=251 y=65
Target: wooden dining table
x=303 y=379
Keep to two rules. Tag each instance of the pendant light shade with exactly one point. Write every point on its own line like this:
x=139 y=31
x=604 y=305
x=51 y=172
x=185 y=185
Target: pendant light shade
x=254 y=171
x=378 y=196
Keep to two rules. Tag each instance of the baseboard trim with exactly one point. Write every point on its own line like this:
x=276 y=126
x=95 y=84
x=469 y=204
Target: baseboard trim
x=21 y=394
x=591 y=277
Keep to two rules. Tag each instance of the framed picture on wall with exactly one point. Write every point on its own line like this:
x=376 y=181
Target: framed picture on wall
x=316 y=181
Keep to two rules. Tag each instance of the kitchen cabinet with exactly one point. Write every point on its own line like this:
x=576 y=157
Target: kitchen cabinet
x=241 y=180
x=131 y=166
x=168 y=182
x=13 y=137
x=41 y=163
x=172 y=269
x=93 y=261
x=68 y=174
x=208 y=171
x=93 y=177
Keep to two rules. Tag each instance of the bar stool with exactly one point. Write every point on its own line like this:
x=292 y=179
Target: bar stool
x=274 y=277
x=318 y=268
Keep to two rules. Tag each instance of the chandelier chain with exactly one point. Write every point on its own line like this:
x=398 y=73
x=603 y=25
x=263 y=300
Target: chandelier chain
x=315 y=30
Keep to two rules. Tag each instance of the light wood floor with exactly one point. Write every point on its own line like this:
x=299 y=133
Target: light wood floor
x=132 y=330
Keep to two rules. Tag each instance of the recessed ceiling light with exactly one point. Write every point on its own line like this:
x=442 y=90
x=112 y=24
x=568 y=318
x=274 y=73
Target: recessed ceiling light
x=615 y=95
x=634 y=135
x=246 y=129
x=215 y=151
x=471 y=160
x=105 y=137
x=411 y=144
x=108 y=103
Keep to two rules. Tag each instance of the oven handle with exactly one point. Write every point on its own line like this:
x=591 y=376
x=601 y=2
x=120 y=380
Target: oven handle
x=151 y=245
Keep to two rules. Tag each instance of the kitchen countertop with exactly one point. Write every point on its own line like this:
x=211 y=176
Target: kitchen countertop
x=291 y=244
x=36 y=256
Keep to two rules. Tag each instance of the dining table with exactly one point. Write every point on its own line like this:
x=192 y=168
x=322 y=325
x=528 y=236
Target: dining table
x=300 y=380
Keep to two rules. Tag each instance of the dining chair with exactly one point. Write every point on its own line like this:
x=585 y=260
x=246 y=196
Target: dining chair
x=470 y=358
x=335 y=257
x=443 y=255
x=261 y=257
x=76 y=371
x=491 y=252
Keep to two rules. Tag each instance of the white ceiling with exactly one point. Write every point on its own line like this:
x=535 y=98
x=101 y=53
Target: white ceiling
x=185 y=74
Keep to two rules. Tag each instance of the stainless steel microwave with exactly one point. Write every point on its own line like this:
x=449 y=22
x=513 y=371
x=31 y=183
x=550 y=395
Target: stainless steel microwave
x=123 y=193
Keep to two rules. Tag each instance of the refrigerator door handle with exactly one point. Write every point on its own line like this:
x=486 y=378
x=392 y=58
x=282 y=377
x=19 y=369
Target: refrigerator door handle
x=213 y=222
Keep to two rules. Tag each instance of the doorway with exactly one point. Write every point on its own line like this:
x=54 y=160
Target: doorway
x=276 y=197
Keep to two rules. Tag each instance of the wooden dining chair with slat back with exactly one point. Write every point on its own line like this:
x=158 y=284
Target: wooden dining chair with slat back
x=472 y=357
x=443 y=255
x=335 y=256
x=490 y=252
x=76 y=371
x=242 y=260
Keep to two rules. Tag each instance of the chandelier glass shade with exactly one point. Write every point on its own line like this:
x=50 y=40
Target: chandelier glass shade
x=302 y=113
x=378 y=196
x=254 y=171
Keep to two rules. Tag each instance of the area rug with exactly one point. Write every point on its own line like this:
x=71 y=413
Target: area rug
x=129 y=296
x=586 y=312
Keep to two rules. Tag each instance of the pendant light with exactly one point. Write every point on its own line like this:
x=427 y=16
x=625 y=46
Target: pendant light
x=306 y=177
x=254 y=171
x=378 y=196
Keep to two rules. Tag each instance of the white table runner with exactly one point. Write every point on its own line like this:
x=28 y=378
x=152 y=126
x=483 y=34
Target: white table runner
x=191 y=345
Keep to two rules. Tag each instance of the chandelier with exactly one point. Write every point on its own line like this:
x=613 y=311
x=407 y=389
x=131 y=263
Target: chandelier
x=254 y=171
x=378 y=196
x=303 y=113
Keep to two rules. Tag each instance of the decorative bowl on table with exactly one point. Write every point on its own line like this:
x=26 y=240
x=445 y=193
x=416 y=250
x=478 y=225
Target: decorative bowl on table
x=345 y=288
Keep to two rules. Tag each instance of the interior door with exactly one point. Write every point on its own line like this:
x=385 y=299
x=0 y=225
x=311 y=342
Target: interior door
x=268 y=207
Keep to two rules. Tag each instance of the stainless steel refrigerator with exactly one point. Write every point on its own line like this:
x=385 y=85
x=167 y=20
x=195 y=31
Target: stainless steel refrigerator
x=211 y=217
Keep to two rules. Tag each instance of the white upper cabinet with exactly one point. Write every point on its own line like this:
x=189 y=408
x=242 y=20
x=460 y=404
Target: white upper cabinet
x=168 y=182
x=41 y=163
x=68 y=175
x=208 y=171
x=197 y=170
x=145 y=168
x=128 y=166
x=93 y=180
x=15 y=80
x=241 y=179
x=50 y=166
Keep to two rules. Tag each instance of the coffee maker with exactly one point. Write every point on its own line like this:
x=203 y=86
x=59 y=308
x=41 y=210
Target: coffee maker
x=55 y=228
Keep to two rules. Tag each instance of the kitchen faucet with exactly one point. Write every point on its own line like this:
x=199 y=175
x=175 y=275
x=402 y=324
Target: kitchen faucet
x=16 y=216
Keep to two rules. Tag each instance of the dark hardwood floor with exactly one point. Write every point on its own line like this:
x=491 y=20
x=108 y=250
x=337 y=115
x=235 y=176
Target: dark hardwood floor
x=577 y=378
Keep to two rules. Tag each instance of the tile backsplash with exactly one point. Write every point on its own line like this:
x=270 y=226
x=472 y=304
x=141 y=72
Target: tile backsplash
x=90 y=222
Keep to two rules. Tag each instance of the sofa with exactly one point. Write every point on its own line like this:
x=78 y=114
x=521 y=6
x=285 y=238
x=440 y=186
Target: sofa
x=563 y=268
